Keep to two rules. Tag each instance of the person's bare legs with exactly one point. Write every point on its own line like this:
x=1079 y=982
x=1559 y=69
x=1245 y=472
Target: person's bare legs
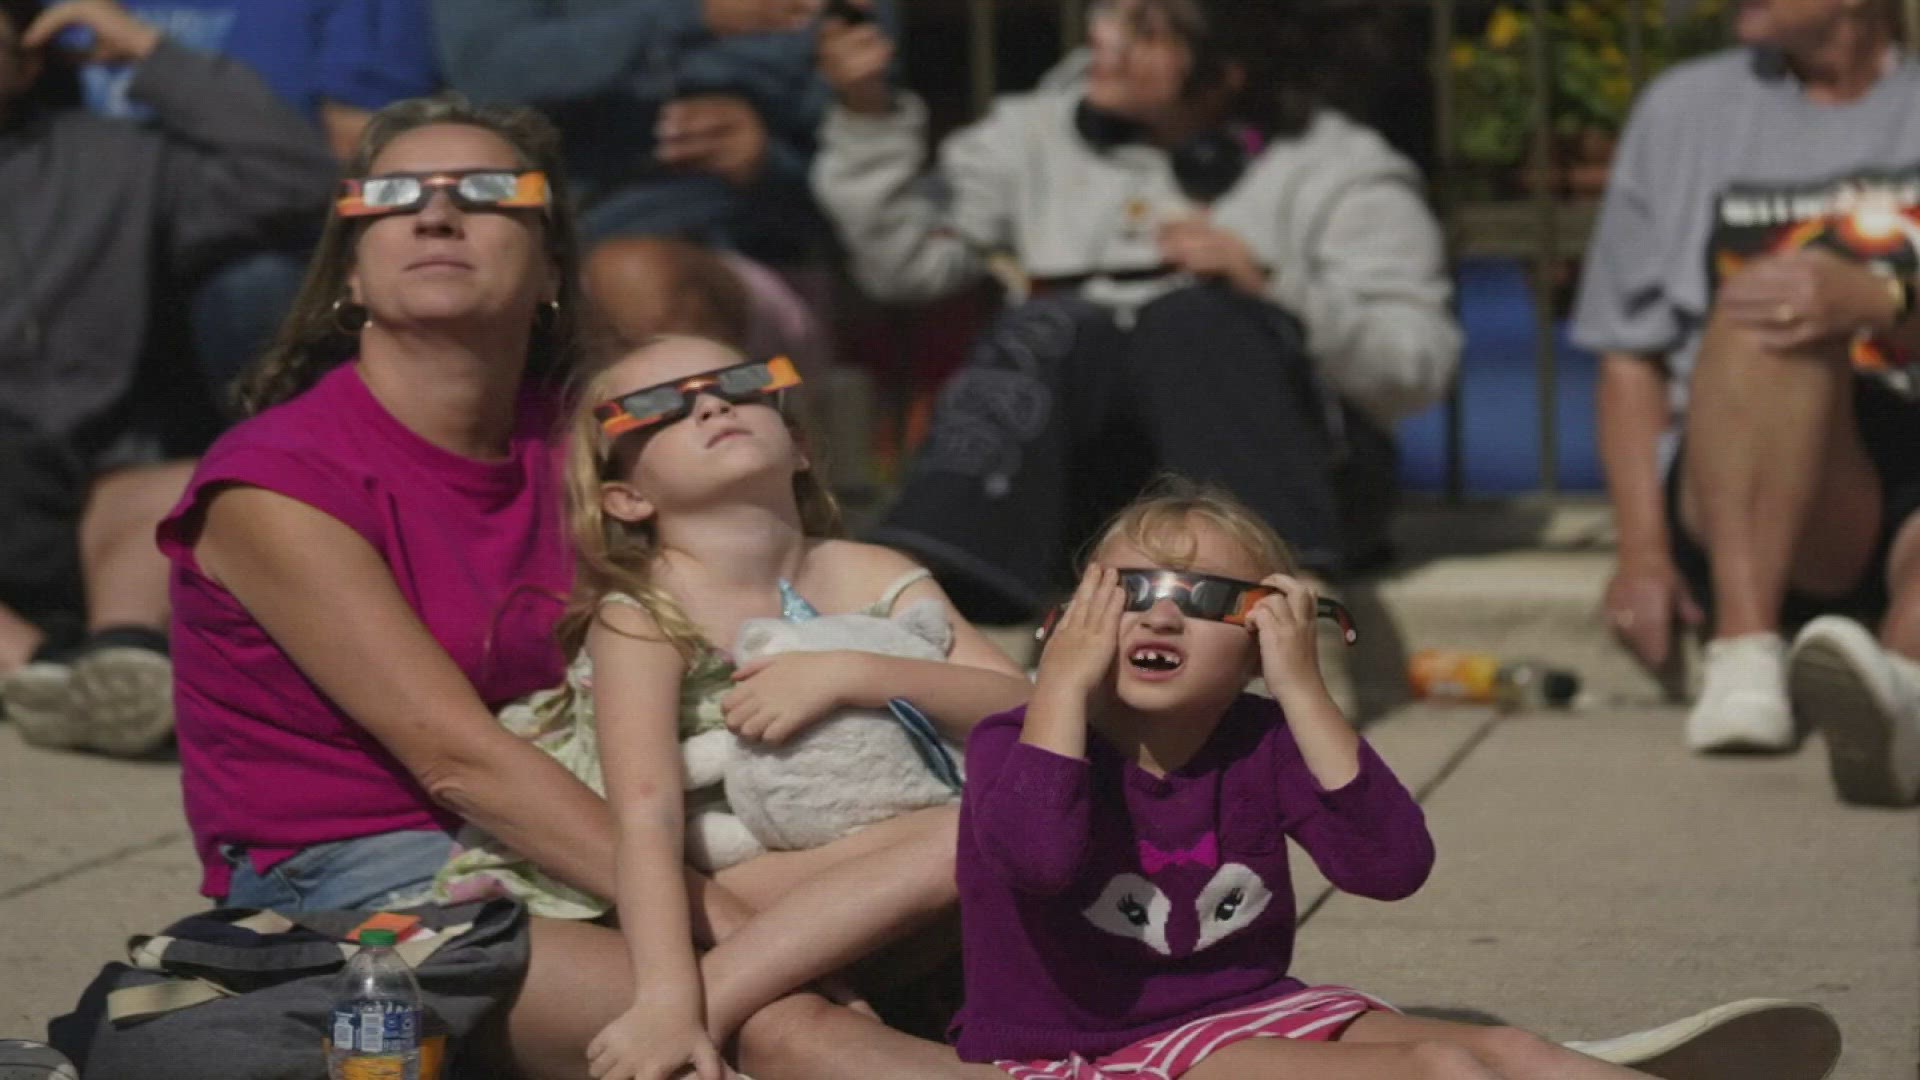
x=1287 y=1059
x=125 y=574
x=824 y=921
x=579 y=980
x=804 y=1037
x=1778 y=488
x=1776 y=483
x=18 y=639
x=1508 y=1052
x=1382 y=1044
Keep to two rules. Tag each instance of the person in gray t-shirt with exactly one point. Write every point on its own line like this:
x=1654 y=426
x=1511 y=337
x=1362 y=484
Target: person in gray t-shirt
x=1750 y=287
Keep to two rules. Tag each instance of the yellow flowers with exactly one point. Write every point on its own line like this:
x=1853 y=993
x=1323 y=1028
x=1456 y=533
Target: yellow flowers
x=1504 y=28
x=1592 y=77
x=1585 y=20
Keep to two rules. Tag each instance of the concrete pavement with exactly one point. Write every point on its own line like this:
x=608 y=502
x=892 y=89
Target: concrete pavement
x=1593 y=879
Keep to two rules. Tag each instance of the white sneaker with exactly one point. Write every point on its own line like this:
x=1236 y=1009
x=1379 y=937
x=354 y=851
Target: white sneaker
x=1741 y=1040
x=123 y=691
x=1743 y=697
x=39 y=700
x=1865 y=701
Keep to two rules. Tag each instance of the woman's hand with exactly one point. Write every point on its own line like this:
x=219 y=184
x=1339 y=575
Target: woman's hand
x=118 y=37
x=1283 y=623
x=1807 y=297
x=854 y=60
x=654 y=1042
x=1200 y=247
x=1079 y=657
x=777 y=697
x=1643 y=600
x=719 y=134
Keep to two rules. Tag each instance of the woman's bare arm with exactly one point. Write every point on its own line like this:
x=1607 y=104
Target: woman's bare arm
x=326 y=597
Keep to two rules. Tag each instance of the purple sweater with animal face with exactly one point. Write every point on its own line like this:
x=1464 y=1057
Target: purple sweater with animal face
x=1101 y=904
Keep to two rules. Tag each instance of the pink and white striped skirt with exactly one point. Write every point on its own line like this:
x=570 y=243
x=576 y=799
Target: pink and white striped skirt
x=1317 y=1014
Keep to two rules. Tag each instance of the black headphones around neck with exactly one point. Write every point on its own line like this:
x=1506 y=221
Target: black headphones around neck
x=1207 y=165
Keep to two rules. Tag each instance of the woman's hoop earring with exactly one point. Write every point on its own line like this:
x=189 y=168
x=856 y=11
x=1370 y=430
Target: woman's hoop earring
x=350 y=317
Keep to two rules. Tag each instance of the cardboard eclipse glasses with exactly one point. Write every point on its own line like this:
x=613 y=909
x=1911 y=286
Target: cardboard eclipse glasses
x=671 y=401
x=1205 y=596
x=470 y=189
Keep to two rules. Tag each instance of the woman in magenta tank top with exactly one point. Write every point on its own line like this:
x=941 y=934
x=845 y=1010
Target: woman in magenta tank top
x=374 y=561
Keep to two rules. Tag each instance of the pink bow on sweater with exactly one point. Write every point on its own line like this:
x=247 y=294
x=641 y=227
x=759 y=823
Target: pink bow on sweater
x=1206 y=853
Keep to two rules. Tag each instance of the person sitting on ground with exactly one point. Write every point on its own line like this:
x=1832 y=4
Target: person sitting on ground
x=692 y=121
x=1793 y=493
x=1123 y=866
x=96 y=421
x=647 y=286
x=334 y=61
x=687 y=521
x=1217 y=265
x=375 y=561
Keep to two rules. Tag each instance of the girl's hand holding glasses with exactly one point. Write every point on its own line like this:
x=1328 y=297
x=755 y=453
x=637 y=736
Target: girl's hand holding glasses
x=1284 y=624
x=1080 y=651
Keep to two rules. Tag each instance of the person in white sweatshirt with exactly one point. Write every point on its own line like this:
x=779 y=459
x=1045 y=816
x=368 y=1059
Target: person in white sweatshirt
x=1212 y=275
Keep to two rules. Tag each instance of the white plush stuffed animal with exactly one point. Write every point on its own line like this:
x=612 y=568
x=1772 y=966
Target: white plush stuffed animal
x=848 y=771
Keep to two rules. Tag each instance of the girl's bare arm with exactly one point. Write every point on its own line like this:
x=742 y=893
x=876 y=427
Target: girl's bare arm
x=636 y=696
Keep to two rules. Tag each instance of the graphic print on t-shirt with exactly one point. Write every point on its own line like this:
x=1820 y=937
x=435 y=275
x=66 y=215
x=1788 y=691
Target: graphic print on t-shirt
x=1131 y=906
x=1872 y=218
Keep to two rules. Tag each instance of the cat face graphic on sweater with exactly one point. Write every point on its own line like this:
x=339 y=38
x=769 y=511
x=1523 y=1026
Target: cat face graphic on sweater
x=1177 y=921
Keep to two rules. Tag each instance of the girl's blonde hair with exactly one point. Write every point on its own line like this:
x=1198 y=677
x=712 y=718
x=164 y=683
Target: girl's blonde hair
x=1160 y=523
x=614 y=556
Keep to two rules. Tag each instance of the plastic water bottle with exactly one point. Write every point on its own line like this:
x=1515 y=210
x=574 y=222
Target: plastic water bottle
x=377 y=1017
x=1443 y=675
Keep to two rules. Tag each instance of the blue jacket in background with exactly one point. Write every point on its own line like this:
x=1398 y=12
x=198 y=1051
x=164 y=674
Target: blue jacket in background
x=363 y=53
x=602 y=69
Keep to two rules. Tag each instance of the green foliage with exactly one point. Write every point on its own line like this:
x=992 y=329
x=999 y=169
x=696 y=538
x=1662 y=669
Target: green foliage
x=1592 y=71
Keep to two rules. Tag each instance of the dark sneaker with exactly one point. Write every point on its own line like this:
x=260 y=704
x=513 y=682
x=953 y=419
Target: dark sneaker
x=23 y=1060
x=1741 y=1040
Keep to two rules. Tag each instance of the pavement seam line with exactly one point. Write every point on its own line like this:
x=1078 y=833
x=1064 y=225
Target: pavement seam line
x=1447 y=769
x=94 y=863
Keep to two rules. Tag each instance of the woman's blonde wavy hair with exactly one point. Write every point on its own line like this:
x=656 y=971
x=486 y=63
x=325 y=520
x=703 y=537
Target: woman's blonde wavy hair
x=614 y=556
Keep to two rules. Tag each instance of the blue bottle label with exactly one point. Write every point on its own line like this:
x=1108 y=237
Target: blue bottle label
x=376 y=1027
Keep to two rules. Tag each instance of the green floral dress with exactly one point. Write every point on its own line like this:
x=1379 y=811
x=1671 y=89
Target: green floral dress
x=561 y=722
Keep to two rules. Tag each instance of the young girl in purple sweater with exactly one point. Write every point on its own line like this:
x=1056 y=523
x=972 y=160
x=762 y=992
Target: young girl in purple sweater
x=1123 y=860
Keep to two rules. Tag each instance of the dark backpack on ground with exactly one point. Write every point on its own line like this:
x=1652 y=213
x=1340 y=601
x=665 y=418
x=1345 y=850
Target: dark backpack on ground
x=242 y=994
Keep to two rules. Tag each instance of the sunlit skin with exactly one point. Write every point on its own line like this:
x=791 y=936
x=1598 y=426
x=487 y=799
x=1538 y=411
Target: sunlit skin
x=445 y=266
x=1217 y=659
x=704 y=456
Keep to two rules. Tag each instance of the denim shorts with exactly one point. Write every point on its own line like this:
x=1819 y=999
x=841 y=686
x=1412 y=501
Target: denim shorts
x=386 y=870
